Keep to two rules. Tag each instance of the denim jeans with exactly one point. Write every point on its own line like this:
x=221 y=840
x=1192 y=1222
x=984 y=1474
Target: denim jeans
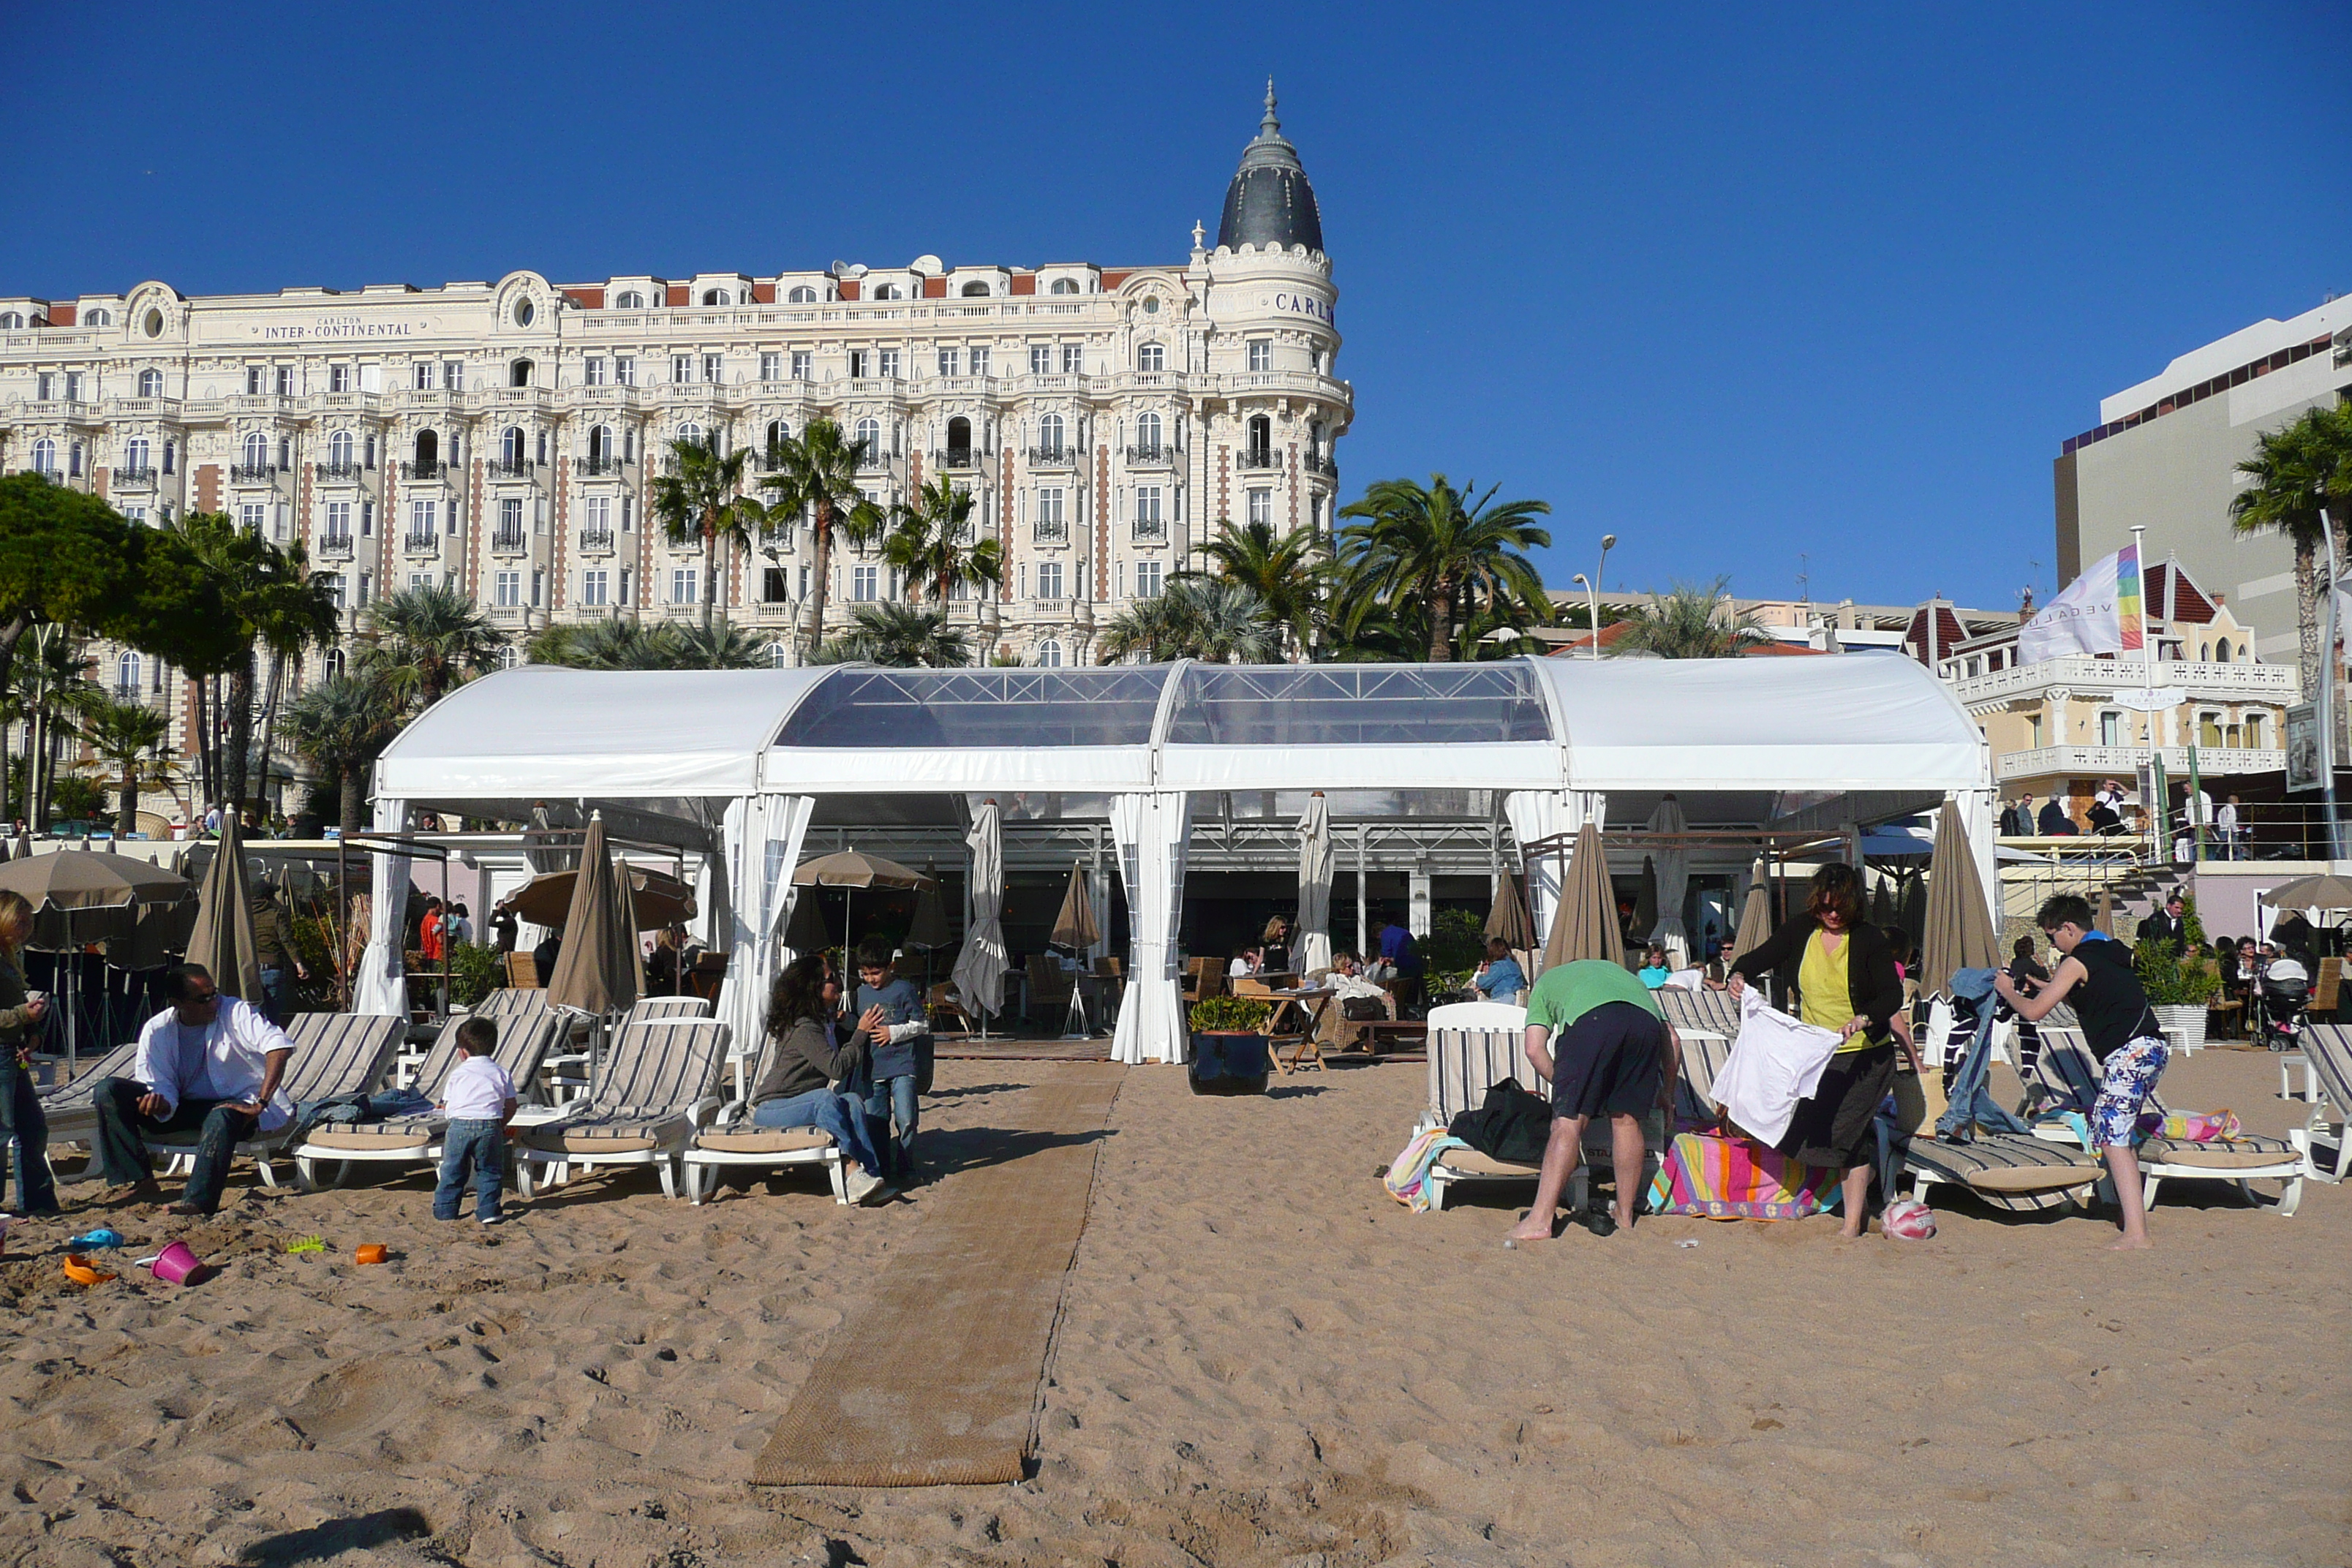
x=843 y=1115
x=895 y=1098
x=273 y=996
x=122 y=1128
x=21 y=1119
x=478 y=1148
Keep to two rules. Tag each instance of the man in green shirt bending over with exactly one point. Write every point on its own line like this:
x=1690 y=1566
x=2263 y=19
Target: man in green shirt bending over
x=1617 y=1056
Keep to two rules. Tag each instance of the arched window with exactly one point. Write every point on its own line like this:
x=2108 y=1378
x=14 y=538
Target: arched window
x=519 y=374
x=2204 y=653
x=869 y=435
x=600 y=442
x=1064 y=286
x=428 y=449
x=257 y=450
x=1049 y=433
x=629 y=299
x=2221 y=651
x=1147 y=432
x=12 y=320
x=801 y=294
x=45 y=456
x=886 y=291
x=1151 y=357
x=101 y=318
x=135 y=454
x=512 y=448
x=150 y=384
x=975 y=289
x=1049 y=655
x=126 y=677
x=691 y=432
x=778 y=434
x=717 y=297
x=509 y=657
x=1261 y=439
x=778 y=655
x=960 y=438
x=339 y=450
x=333 y=663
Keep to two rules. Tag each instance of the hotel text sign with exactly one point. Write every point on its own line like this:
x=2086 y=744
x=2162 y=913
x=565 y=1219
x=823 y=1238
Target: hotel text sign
x=332 y=327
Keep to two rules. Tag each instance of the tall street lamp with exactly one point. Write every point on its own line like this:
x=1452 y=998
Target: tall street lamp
x=1592 y=588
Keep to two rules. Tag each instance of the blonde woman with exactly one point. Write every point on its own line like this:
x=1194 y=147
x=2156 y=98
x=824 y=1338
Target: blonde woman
x=20 y=1097
x=1276 y=946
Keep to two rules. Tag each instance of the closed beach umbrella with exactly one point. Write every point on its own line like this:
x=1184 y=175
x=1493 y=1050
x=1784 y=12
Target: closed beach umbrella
x=1075 y=927
x=1645 y=897
x=1755 y=915
x=805 y=930
x=1507 y=917
x=979 y=972
x=2106 y=915
x=1673 y=882
x=930 y=929
x=1959 y=931
x=1881 y=905
x=597 y=969
x=222 y=939
x=1585 y=926
x=1912 y=917
x=1312 y=949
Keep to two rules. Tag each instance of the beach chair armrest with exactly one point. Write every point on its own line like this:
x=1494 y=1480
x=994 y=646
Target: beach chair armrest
x=700 y=1113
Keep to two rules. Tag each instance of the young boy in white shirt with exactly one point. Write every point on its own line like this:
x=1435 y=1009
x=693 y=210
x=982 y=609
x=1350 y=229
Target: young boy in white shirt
x=478 y=1098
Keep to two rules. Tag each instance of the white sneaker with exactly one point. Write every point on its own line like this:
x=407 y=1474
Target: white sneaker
x=865 y=1189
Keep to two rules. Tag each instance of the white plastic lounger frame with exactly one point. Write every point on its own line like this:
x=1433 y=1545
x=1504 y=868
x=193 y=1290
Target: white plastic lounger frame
x=524 y=1037
x=655 y=1096
x=2325 y=1140
x=732 y=1141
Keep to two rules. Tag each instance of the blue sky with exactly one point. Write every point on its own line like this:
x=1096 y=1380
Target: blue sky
x=1739 y=285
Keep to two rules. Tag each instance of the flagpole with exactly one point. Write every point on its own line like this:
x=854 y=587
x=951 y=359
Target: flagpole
x=2327 y=697
x=2151 y=813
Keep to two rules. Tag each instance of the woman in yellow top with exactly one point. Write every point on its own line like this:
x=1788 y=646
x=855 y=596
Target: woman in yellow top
x=1837 y=973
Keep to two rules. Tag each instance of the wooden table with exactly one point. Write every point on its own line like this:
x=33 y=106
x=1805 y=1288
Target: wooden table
x=1288 y=1001
x=1377 y=1029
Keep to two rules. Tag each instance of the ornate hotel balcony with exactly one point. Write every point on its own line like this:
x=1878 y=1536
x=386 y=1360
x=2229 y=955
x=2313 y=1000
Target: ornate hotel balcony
x=426 y=542
x=133 y=479
x=2091 y=678
x=596 y=541
x=875 y=463
x=508 y=542
x=335 y=545
x=252 y=474
x=1155 y=533
x=598 y=468
x=1267 y=460
x=429 y=468
x=1159 y=457
x=2042 y=762
x=1053 y=456
x=344 y=473
x=1316 y=464
x=956 y=458
x=1050 y=533
x=499 y=469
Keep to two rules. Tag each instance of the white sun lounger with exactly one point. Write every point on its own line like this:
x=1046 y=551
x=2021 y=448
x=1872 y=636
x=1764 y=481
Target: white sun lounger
x=524 y=1036
x=655 y=1092
x=2323 y=1139
x=730 y=1141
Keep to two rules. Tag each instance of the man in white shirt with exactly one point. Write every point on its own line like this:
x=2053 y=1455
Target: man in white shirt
x=2225 y=823
x=207 y=1063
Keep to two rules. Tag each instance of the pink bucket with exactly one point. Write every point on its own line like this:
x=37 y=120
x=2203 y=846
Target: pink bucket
x=176 y=1264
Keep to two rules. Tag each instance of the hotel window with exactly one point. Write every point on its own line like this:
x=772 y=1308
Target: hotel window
x=1073 y=359
x=510 y=518
x=1049 y=655
x=681 y=369
x=861 y=363
x=73 y=386
x=172 y=453
x=2208 y=729
x=135 y=515
x=424 y=519
x=339 y=450
x=1064 y=286
x=1049 y=508
x=624 y=371
x=2111 y=729
x=869 y=437
x=949 y=361
x=682 y=583
x=1049 y=579
x=2253 y=731
x=889 y=364
x=252 y=514
x=885 y=292
x=538 y=587
x=863 y=583
x=98 y=319
x=338 y=520
x=1261 y=353
x=367 y=523
x=452 y=374
x=285 y=452
x=44 y=387
x=335 y=591
x=134 y=454
x=420 y=579
x=1151 y=357
x=592 y=372
x=73 y=460
x=285 y=381
x=980 y=361
x=628 y=512
x=803 y=365
x=1146 y=579
x=801 y=294
x=599 y=514
x=150 y=384
x=596 y=587
x=1041 y=360
x=713 y=371
x=975 y=289
x=691 y=432
x=717 y=297
x=509 y=589
x=338 y=378
x=630 y=299
x=1261 y=506
x=1148 y=516
x=775 y=586
x=772 y=367
x=628 y=579
x=252 y=381
x=426 y=372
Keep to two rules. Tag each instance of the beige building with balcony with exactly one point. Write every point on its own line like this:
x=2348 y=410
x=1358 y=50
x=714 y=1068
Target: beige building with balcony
x=503 y=436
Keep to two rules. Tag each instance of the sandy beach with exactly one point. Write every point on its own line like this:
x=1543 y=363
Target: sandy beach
x=1262 y=1359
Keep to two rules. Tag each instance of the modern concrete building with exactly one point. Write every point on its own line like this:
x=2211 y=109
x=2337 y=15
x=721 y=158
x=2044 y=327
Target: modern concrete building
x=2165 y=452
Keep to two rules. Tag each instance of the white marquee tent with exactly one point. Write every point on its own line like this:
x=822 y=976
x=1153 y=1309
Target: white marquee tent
x=733 y=764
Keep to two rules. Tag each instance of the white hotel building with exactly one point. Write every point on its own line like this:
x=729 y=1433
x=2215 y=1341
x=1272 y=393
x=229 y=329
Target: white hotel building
x=503 y=436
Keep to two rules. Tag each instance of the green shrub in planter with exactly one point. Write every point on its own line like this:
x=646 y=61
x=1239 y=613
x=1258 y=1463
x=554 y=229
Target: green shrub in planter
x=473 y=973
x=1231 y=1014
x=2179 y=973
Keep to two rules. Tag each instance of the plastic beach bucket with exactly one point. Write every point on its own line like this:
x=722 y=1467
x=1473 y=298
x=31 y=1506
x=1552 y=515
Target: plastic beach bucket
x=176 y=1264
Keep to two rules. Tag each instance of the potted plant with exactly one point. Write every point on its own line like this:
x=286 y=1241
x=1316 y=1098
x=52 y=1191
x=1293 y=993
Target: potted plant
x=1229 y=1051
x=2180 y=980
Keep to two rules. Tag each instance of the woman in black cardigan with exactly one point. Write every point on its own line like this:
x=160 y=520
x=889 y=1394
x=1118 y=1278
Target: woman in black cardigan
x=1832 y=1128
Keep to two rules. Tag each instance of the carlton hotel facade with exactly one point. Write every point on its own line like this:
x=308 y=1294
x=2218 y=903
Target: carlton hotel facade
x=503 y=436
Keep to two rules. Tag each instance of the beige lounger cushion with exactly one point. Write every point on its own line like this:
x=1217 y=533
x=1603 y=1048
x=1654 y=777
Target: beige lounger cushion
x=2034 y=1178
x=374 y=1140
x=1470 y=1163
x=2245 y=1153
x=630 y=1139
x=765 y=1141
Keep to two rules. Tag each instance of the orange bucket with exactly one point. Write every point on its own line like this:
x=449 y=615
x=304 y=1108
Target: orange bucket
x=371 y=1252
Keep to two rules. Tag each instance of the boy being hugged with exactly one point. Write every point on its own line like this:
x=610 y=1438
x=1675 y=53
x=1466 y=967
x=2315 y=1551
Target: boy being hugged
x=478 y=1099
x=901 y=1039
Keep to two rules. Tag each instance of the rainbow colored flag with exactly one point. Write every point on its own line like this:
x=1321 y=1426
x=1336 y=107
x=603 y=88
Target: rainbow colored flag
x=2130 y=599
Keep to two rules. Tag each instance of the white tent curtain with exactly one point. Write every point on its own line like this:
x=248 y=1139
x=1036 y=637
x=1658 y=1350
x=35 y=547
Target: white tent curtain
x=1539 y=815
x=1673 y=863
x=761 y=838
x=380 y=988
x=1979 y=812
x=1312 y=950
x=979 y=972
x=1151 y=830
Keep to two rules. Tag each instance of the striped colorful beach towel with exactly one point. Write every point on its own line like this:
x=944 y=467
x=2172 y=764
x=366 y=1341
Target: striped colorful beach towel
x=1731 y=1178
x=1407 y=1176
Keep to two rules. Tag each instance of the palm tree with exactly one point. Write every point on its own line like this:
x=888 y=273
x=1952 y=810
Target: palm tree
x=1210 y=618
x=1691 y=622
x=929 y=544
x=904 y=636
x=816 y=472
x=1284 y=570
x=602 y=644
x=703 y=500
x=1445 y=546
x=2294 y=472
x=429 y=637
x=339 y=726
x=49 y=676
x=124 y=735
x=722 y=647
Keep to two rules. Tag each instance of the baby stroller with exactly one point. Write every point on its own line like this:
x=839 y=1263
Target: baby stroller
x=2286 y=992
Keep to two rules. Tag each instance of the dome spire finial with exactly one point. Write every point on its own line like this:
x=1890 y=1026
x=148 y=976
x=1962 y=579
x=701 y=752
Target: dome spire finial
x=1269 y=126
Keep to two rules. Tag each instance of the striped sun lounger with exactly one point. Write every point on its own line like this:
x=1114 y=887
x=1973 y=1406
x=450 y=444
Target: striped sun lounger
x=335 y=1053
x=2322 y=1138
x=731 y=1140
x=524 y=1037
x=656 y=1091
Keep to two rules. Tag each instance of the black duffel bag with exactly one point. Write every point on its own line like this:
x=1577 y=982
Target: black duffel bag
x=1512 y=1126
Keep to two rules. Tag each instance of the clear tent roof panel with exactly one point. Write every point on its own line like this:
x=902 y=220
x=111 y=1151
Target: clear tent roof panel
x=885 y=710
x=1358 y=705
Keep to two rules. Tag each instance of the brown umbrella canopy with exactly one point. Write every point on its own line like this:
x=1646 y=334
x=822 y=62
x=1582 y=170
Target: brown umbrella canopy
x=82 y=896
x=1075 y=927
x=2311 y=893
x=1755 y=915
x=1959 y=933
x=1507 y=918
x=655 y=898
x=1585 y=925
x=597 y=969
x=223 y=940
x=851 y=868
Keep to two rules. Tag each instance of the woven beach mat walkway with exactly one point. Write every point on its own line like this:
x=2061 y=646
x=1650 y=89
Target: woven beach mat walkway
x=934 y=1382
